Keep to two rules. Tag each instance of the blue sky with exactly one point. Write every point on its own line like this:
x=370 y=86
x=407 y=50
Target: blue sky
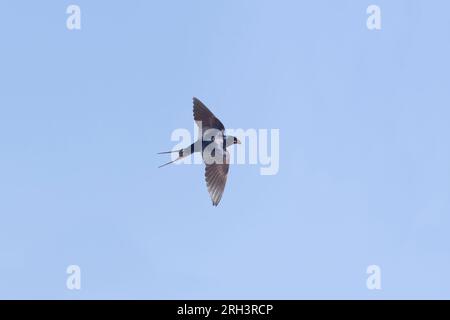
x=364 y=149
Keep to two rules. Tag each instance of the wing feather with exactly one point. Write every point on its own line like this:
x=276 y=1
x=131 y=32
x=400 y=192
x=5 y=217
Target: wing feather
x=216 y=177
x=204 y=118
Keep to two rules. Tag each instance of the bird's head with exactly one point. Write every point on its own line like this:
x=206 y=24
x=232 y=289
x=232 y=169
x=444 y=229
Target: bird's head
x=232 y=140
x=236 y=141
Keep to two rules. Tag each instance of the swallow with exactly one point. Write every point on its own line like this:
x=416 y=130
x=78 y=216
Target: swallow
x=213 y=144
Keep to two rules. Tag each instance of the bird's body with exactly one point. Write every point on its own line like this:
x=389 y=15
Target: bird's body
x=213 y=144
x=201 y=145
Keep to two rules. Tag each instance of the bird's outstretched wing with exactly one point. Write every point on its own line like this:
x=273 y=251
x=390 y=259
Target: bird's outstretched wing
x=216 y=172
x=205 y=119
x=216 y=177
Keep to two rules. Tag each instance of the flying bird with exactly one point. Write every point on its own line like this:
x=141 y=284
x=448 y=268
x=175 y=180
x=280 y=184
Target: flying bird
x=213 y=143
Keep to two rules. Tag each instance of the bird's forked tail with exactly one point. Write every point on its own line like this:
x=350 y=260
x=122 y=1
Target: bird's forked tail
x=174 y=151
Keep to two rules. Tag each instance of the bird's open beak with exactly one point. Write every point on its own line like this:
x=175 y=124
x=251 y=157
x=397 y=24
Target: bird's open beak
x=238 y=141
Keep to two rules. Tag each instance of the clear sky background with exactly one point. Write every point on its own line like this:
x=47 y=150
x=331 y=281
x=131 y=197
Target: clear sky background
x=364 y=157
